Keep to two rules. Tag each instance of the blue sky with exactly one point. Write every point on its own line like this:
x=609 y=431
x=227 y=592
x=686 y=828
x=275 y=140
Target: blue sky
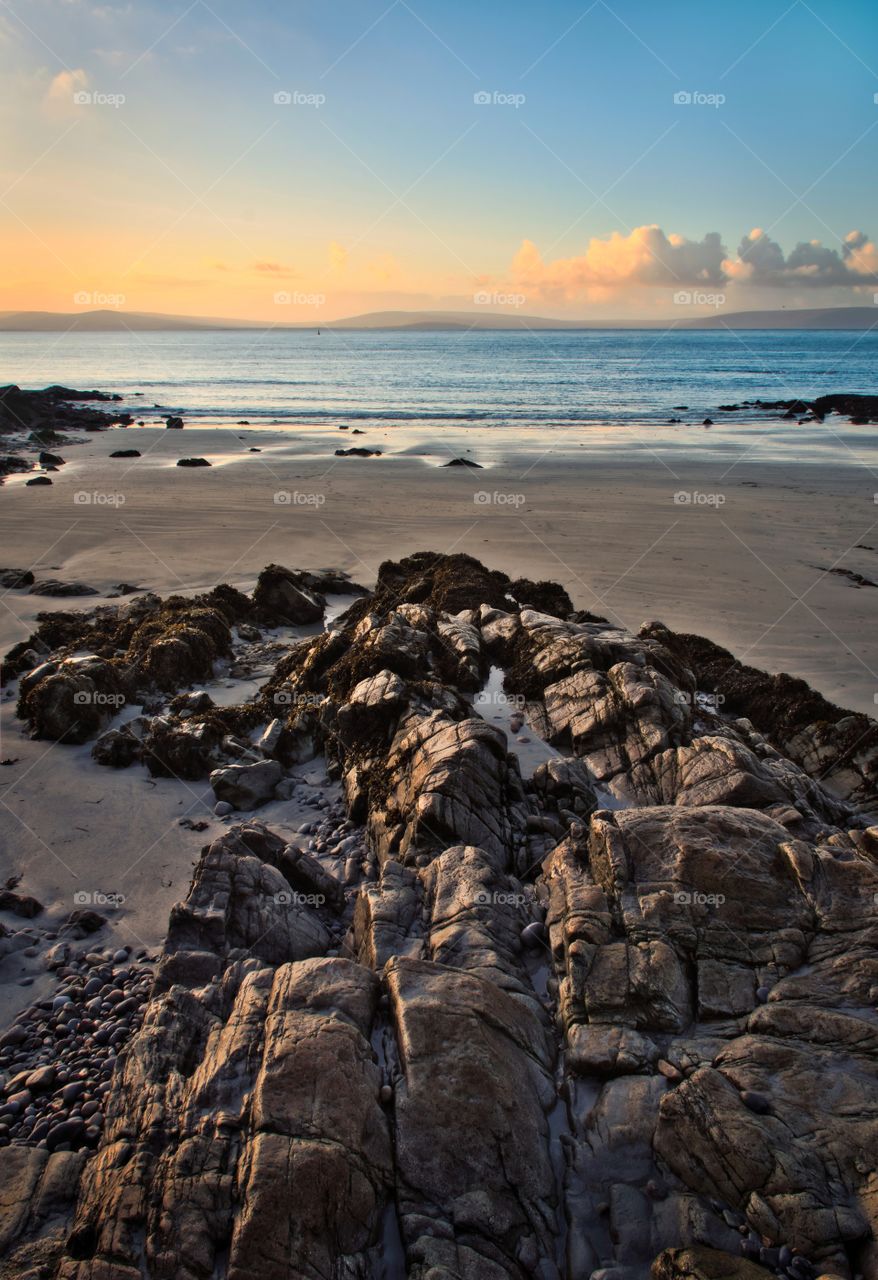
x=398 y=188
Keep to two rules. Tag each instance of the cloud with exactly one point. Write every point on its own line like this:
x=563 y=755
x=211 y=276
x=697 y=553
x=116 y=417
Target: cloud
x=64 y=85
x=338 y=256
x=273 y=269
x=762 y=262
x=646 y=256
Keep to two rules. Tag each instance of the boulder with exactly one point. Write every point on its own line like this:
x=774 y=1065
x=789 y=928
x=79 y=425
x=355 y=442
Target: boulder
x=246 y=786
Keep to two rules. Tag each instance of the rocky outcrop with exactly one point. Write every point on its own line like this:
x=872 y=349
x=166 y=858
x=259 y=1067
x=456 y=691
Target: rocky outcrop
x=602 y=1009
x=45 y=413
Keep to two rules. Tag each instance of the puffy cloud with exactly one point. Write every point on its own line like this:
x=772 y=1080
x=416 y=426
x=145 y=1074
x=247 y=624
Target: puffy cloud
x=761 y=261
x=646 y=256
x=64 y=85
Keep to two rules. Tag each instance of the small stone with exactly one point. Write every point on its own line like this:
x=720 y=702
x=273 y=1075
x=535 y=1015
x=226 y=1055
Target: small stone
x=222 y=808
x=533 y=935
x=668 y=1070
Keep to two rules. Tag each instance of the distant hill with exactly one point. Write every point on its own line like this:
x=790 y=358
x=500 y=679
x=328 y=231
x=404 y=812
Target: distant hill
x=795 y=318
x=461 y=320
x=109 y=321
x=437 y=321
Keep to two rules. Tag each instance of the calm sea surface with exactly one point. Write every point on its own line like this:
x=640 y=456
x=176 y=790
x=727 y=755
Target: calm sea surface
x=491 y=379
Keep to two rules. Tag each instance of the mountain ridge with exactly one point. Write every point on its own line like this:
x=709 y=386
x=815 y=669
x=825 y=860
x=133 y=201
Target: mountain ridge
x=106 y=321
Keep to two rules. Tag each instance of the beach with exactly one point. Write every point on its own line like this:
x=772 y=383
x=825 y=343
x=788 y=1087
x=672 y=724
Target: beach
x=239 y=802
x=725 y=532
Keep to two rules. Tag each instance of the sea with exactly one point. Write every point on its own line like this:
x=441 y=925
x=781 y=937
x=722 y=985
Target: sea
x=528 y=380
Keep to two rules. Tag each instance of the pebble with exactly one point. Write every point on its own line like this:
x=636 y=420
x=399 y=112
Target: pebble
x=533 y=935
x=57 y=1058
x=668 y=1070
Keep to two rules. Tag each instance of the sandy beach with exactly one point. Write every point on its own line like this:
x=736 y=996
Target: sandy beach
x=373 y=836
x=722 y=532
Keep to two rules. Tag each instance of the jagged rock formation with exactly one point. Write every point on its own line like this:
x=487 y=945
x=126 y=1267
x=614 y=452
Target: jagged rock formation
x=611 y=1017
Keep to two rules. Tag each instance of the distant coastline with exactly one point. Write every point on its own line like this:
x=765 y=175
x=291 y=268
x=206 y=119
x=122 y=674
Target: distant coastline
x=109 y=321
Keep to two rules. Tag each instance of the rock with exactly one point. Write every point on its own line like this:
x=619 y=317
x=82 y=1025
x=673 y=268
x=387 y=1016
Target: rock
x=755 y=1101
x=270 y=736
x=54 y=587
x=38 y=480
x=70 y=703
x=479 y=1024
x=117 y=748
x=19 y=904
x=50 y=459
x=125 y=453
x=10 y=465
x=222 y=808
x=79 y=924
x=41 y=1079
x=246 y=786
x=474 y=1059
x=192 y=462
x=193 y=703
x=702 y=1263
x=174 y=423
x=15 y=579
x=180 y=749
x=357 y=452
x=463 y=462
x=567 y=784
x=282 y=597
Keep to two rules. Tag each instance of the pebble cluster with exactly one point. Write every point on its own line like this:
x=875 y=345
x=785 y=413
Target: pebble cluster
x=336 y=836
x=780 y=1259
x=59 y=1054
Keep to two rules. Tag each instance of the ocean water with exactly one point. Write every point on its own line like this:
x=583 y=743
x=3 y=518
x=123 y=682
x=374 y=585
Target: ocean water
x=486 y=379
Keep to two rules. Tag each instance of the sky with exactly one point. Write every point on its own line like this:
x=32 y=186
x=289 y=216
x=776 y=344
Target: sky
x=292 y=162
